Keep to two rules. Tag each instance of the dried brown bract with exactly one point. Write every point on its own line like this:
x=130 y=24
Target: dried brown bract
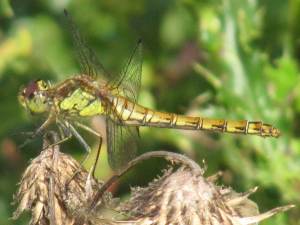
x=181 y=197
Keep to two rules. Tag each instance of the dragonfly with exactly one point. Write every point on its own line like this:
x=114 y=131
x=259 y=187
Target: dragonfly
x=96 y=92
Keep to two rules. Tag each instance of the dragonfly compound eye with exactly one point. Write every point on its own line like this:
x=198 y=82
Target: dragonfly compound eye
x=34 y=97
x=30 y=90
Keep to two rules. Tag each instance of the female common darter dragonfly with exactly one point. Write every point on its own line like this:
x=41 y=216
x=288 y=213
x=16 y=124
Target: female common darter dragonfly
x=96 y=92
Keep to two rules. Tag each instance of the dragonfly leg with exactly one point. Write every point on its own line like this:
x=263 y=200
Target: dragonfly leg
x=87 y=128
x=63 y=131
x=90 y=130
x=81 y=141
x=97 y=156
x=46 y=124
x=67 y=126
x=39 y=130
x=78 y=136
x=63 y=136
x=94 y=165
x=59 y=142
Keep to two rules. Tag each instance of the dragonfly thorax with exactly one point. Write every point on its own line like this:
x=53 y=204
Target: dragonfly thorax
x=80 y=102
x=34 y=97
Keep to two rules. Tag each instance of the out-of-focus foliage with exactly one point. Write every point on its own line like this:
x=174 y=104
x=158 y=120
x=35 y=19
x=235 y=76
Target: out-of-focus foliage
x=227 y=59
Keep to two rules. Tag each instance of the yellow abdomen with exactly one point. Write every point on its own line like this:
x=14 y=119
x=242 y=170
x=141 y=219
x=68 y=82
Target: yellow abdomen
x=131 y=114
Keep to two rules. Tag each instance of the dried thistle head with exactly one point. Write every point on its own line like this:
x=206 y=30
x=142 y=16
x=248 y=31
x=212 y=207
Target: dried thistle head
x=55 y=188
x=181 y=197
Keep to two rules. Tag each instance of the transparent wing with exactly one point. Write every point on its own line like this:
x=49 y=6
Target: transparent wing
x=87 y=59
x=128 y=82
x=122 y=141
x=121 y=144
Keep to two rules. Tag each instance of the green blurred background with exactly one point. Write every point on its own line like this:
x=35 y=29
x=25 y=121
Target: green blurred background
x=231 y=59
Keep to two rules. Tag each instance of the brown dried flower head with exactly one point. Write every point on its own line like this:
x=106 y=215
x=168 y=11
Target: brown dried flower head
x=57 y=190
x=182 y=197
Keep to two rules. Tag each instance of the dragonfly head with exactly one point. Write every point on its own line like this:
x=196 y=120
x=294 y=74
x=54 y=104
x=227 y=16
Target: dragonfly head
x=34 y=97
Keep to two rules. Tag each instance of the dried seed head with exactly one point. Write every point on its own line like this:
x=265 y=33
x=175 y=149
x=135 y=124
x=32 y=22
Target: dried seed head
x=180 y=197
x=55 y=188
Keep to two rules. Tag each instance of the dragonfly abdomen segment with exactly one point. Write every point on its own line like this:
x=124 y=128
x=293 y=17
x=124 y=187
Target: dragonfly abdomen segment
x=239 y=126
x=228 y=126
x=136 y=115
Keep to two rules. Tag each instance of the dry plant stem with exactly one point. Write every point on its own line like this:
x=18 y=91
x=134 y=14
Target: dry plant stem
x=169 y=156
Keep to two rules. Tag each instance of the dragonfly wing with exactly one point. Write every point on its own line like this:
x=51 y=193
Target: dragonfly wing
x=121 y=144
x=86 y=57
x=129 y=80
x=122 y=140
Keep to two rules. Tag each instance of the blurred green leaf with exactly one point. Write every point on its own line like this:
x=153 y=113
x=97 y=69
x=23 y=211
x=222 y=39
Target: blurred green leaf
x=285 y=66
x=177 y=27
x=5 y=9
